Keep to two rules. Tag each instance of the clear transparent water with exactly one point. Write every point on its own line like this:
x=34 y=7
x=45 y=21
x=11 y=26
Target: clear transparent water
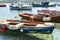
x=56 y=34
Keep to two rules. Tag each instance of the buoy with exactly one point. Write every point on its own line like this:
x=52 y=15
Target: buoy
x=21 y=30
x=3 y=29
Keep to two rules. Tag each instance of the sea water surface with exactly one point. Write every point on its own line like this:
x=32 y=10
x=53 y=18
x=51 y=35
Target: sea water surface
x=6 y=13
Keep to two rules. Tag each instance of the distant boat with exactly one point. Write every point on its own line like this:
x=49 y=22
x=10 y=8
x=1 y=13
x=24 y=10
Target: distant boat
x=2 y=5
x=20 y=7
x=26 y=27
x=43 y=15
x=44 y=4
x=58 y=4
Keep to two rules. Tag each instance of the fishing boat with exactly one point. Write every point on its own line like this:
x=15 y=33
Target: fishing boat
x=2 y=5
x=20 y=7
x=27 y=26
x=44 y=4
x=43 y=15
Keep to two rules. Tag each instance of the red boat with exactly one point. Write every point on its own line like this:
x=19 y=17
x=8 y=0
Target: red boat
x=43 y=15
x=2 y=5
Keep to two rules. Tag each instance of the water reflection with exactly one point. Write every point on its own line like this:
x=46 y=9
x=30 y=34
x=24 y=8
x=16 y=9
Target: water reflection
x=56 y=34
x=9 y=35
x=17 y=36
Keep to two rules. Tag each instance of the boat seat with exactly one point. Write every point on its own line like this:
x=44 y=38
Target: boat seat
x=13 y=23
x=20 y=25
x=39 y=16
x=40 y=25
x=15 y=27
x=49 y=24
x=45 y=25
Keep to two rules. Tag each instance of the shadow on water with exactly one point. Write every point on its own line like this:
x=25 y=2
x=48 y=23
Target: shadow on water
x=17 y=36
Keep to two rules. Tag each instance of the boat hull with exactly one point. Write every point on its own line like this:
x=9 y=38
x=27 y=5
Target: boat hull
x=37 y=5
x=27 y=29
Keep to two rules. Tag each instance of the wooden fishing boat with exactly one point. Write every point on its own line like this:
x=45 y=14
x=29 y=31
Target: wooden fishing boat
x=26 y=27
x=43 y=15
x=44 y=4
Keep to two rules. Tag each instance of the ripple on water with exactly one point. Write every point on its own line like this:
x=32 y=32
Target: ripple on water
x=56 y=34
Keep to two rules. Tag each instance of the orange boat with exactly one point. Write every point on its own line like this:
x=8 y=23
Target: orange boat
x=43 y=15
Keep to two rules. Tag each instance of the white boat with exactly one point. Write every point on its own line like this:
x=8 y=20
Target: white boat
x=21 y=7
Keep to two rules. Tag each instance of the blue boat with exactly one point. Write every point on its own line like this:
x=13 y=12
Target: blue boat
x=26 y=27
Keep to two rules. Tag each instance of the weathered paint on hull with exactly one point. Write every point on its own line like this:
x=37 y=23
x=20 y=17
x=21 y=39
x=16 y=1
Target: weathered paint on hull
x=41 y=30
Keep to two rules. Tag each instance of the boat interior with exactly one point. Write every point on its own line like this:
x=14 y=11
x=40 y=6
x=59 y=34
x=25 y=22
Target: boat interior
x=29 y=24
